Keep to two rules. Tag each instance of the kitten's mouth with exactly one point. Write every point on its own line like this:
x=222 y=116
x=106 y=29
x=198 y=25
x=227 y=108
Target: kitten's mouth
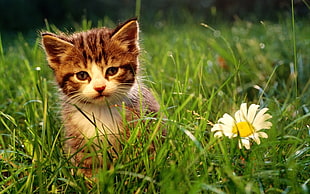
x=100 y=97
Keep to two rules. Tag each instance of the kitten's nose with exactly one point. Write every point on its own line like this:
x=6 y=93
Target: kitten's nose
x=99 y=89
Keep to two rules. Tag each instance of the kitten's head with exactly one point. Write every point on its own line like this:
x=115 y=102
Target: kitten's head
x=97 y=65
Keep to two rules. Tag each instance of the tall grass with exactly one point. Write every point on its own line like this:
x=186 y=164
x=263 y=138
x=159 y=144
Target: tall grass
x=198 y=74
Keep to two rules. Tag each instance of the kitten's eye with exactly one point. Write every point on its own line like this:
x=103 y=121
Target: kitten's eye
x=82 y=75
x=111 y=71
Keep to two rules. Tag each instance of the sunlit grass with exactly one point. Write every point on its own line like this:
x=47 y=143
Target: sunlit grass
x=198 y=73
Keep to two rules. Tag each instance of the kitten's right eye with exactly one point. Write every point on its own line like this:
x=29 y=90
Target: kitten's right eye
x=112 y=71
x=82 y=75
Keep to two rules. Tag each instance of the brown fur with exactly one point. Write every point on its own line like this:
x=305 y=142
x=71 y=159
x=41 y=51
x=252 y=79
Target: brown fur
x=92 y=100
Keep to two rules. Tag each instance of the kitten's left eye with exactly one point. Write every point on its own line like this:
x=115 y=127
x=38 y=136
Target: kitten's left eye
x=111 y=71
x=82 y=75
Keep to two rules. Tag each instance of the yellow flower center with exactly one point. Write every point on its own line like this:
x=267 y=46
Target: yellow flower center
x=243 y=129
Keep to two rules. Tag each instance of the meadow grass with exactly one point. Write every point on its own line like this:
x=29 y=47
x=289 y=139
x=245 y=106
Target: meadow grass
x=198 y=73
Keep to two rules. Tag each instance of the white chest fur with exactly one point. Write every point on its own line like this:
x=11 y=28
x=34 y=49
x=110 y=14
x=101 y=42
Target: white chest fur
x=91 y=120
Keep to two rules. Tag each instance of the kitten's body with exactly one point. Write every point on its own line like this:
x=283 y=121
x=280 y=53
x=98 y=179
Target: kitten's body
x=97 y=72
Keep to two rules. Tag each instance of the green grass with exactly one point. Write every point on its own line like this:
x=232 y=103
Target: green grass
x=182 y=66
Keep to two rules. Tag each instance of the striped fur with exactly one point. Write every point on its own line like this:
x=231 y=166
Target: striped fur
x=97 y=71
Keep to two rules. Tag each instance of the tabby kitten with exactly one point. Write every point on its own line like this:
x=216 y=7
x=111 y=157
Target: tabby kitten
x=97 y=71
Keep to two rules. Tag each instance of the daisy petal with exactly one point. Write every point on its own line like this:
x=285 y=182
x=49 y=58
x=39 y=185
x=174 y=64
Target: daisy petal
x=252 y=112
x=261 y=113
x=256 y=138
x=261 y=123
x=262 y=134
x=227 y=120
x=245 y=143
x=218 y=134
x=238 y=116
x=244 y=110
x=230 y=135
x=265 y=125
x=216 y=127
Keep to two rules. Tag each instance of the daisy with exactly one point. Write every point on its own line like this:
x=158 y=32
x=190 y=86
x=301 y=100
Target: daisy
x=246 y=124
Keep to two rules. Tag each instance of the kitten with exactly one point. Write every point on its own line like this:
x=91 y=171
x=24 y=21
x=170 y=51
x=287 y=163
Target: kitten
x=97 y=71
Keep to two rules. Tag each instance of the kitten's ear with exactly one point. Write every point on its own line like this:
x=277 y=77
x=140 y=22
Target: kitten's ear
x=127 y=34
x=55 y=48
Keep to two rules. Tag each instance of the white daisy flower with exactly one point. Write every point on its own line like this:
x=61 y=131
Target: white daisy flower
x=246 y=124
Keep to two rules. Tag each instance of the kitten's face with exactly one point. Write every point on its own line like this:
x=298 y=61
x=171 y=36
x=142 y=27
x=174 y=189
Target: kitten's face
x=95 y=66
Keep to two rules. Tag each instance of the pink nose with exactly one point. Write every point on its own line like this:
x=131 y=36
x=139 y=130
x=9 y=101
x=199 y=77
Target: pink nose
x=100 y=89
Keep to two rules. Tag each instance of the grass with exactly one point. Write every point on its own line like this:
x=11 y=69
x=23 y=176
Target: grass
x=199 y=73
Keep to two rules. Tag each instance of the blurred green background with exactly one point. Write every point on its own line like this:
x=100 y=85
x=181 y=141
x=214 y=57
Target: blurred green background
x=25 y=15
